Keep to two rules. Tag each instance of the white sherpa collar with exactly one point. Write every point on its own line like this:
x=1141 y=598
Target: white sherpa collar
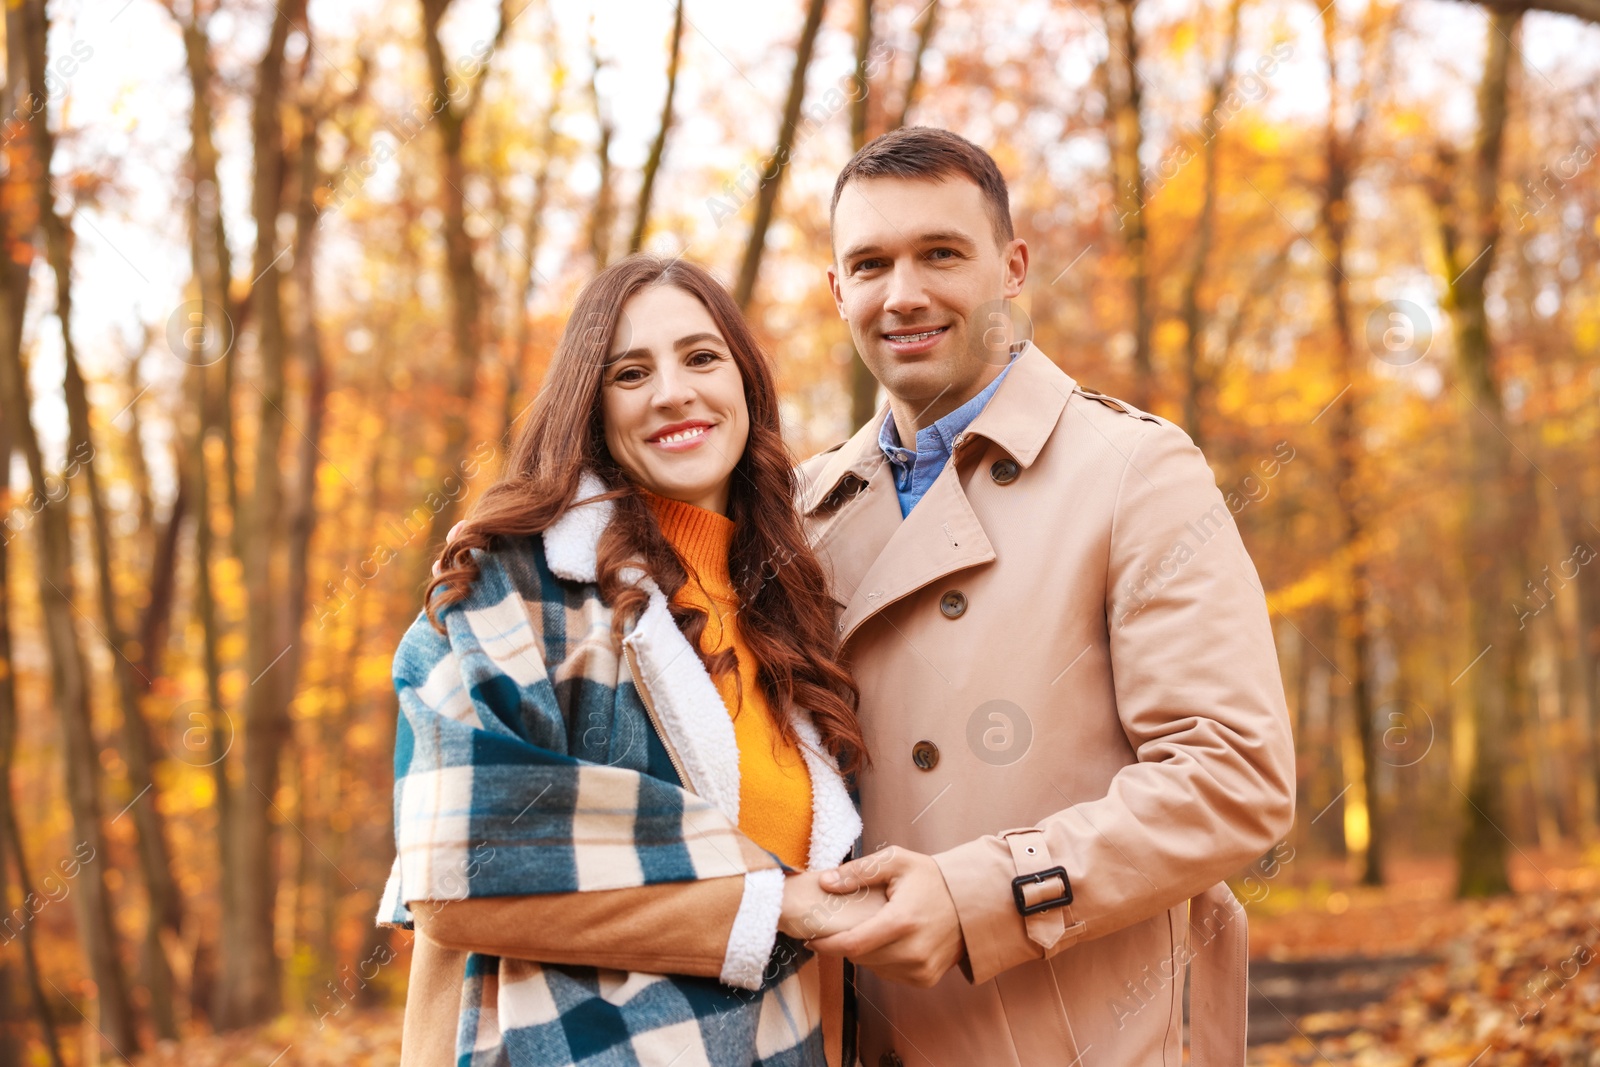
x=571 y=543
x=686 y=700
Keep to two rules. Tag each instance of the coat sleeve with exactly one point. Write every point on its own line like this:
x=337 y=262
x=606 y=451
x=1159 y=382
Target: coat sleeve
x=671 y=928
x=508 y=842
x=1201 y=701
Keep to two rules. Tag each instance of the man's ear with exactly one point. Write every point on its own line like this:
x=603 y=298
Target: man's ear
x=1015 y=258
x=833 y=287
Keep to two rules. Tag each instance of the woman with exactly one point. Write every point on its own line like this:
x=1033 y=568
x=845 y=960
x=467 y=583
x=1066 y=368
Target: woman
x=622 y=725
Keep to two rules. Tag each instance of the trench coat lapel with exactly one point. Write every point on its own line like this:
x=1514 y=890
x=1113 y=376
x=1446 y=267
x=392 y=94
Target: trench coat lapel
x=877 y=558
x=848 y=536
x=941 y=535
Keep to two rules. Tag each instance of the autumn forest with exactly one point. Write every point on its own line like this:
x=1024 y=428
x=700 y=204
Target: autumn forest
x=283 y=277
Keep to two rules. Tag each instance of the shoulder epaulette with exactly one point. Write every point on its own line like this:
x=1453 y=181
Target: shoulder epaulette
x=1117 y=405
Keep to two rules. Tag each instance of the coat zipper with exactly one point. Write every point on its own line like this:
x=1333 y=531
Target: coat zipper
x=655 y=720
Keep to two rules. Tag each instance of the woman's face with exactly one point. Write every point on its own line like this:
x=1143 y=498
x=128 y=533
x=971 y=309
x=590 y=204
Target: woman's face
x=672 y=399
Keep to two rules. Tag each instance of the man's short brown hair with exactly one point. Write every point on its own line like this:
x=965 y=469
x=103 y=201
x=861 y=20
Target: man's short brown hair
x=931 y=154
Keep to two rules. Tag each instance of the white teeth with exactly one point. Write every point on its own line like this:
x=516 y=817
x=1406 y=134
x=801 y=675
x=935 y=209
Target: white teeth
x=681 y=435
x=913 y=337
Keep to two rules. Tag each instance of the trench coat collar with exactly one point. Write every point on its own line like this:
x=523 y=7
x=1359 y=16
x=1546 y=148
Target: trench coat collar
x=879 y=558
x=1018 y=418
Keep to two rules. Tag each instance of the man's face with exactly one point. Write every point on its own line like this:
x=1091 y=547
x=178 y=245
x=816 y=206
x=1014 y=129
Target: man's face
x=919 y=276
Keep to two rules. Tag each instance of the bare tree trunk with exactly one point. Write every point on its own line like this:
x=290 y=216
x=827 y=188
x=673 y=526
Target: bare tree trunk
x=516 y=361
x=10 y=832
x=139 y=470
x=1469 y=226
x=603 y=214
x=26 y=32
x=1205 y=231
x=69 y=687
x=658 y=148
x=1125 y=130
x=302 y=511
x=209 y=387
x=220 y=314
x=155 y=862
x=1341 y=158
x=863 y=386
x=914 y=79
x=773 y=170
x=1587 y=10
x=249 y=989
x=1574 y=683
x=466 y=323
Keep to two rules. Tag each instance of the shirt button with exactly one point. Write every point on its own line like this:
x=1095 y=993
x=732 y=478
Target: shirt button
x=953 y=604
x=925 y=754
x=1004 y=471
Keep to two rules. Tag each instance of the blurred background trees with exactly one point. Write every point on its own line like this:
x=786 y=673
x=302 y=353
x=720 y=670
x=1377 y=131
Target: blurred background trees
x=281 y=278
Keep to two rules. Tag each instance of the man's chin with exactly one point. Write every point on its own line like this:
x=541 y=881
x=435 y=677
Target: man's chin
x=922 y=379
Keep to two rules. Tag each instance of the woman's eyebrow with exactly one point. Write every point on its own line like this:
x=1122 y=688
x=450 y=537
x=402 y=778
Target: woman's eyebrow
x=697 y=338
x=680 y=344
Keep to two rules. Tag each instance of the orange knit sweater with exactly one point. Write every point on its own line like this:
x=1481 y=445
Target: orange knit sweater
x=774 y=785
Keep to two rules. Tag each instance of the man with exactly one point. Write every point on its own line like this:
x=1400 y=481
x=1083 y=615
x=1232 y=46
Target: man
x=1068 y=682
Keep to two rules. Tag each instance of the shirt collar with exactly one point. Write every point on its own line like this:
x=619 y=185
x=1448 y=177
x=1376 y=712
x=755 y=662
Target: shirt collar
x=1020 y=420
x=941 y=435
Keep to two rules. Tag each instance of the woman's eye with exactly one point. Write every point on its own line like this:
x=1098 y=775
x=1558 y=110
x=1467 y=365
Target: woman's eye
x=628 y=374
x=701 y=359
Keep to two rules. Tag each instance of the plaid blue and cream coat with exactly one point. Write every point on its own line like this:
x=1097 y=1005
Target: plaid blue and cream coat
x=534 y=755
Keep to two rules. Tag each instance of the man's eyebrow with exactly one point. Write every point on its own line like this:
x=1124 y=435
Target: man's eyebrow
x=858 y=250
x=944 y=237
x=932 y=238
x=680 y=344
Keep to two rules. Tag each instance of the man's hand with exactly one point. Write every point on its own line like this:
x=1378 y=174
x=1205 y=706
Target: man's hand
x=916 y=938
x=810 y=911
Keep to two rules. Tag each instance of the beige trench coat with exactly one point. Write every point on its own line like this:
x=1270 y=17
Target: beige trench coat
x=1066 y=663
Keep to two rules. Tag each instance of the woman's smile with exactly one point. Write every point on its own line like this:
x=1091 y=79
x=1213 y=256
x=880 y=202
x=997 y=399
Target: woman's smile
x=682 y=436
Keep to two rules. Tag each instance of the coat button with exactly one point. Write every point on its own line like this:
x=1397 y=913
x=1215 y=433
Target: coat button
x=1004 y=471
x=925 y=754
x=890 y=1059
x=953 y=604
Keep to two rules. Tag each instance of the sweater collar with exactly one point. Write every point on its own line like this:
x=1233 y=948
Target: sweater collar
x=701 y=537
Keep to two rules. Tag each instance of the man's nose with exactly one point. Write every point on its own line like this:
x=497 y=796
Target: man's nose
x=906 y=292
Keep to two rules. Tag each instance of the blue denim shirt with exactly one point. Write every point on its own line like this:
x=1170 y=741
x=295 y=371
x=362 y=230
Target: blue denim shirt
x=914 y=471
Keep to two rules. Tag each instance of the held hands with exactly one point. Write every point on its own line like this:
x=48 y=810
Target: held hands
x=913 y=938
x=809 y=911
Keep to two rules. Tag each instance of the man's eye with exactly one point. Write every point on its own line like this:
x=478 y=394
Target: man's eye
x=867 y=264
x=942 y=253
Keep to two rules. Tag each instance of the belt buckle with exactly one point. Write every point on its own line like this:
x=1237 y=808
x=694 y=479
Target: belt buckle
x=1038 y=878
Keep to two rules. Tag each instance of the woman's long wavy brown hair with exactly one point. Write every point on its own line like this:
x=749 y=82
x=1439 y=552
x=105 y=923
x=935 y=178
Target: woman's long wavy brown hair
x=785 y=611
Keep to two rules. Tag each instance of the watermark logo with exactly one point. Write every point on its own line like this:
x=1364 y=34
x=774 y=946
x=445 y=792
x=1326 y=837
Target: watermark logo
x=205 y=735
x=999 y=732
x=1399 y=332
x=998 y=326
x=196 y=334
x=1407 y=733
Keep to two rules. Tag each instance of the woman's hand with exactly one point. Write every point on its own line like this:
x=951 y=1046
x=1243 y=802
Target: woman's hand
x=810 y=911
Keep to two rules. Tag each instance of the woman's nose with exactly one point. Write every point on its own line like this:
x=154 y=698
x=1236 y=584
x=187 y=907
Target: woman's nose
x=672 y=391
